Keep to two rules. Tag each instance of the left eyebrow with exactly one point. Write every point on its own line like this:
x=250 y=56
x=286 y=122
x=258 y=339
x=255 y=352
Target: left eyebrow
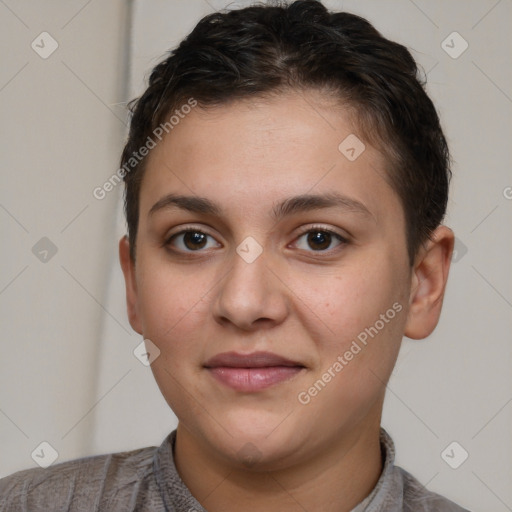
x=287 y=207
x=308 y=202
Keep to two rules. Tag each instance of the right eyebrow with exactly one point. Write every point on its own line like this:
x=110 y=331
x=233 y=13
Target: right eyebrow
x=194 y=204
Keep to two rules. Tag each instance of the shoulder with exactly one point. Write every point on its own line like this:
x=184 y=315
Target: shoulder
x=418 y=498
x=88 y=481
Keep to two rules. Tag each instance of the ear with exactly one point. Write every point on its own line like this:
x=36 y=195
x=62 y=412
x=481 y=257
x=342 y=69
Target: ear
x=428 y=284
x=128 y=266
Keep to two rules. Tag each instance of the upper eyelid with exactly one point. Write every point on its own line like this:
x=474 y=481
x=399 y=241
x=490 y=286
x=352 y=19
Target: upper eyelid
x=169 y=238
x=318 y=227
x=341 y=238
x=188 y=228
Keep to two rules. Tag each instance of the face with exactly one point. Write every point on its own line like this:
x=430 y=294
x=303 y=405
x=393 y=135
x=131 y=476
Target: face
x=278 y=320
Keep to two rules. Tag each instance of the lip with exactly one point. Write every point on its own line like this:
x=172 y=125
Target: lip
x=252 y=372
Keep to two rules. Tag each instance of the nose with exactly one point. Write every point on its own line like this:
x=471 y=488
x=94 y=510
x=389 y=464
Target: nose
x=251 y=295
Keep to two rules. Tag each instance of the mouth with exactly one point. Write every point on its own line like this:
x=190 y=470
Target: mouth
x=252 y=372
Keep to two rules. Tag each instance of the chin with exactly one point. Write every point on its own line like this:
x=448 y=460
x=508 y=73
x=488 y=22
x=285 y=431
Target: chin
x=256 y=441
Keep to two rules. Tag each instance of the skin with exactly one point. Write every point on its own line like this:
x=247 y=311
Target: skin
x=294 y=300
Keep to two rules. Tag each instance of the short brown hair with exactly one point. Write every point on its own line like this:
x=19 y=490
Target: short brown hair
x=267 y=49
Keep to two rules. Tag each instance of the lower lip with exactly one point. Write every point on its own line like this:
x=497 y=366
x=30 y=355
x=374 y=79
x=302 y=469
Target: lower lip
x=253 y=379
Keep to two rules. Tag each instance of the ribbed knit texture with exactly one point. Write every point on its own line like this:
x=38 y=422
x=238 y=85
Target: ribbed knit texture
x=146 y=480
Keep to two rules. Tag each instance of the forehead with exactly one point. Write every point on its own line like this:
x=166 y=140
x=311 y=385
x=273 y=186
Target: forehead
x=250 y=153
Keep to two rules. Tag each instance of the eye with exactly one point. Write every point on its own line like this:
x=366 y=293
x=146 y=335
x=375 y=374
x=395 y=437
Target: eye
x=320 y=239
x=190 y=240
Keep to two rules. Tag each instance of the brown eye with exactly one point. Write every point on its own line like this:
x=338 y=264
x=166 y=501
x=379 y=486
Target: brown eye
x=194 y=240
x=320 y=240
x=191 y=240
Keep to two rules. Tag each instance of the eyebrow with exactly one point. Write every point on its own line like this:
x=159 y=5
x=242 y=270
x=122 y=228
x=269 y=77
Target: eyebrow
x=287 y=207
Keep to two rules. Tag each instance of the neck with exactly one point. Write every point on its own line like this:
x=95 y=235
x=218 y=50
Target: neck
x=335 y=479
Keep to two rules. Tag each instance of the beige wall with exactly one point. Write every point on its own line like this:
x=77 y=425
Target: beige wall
x=62 y=125
x=68 y=375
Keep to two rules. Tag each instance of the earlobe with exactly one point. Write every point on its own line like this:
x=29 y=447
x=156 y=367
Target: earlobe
x=428 y=284
x=128 y=267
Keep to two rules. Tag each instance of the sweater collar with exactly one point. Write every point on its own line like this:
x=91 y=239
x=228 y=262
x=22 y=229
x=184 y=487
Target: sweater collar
x=177 y=497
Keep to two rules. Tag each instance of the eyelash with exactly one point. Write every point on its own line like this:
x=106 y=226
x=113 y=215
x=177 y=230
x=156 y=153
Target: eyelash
x=321 y=229
x=311 y=229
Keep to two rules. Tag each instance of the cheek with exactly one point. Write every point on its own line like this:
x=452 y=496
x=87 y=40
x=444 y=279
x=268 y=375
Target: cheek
x=356 y=320
x=344 y=304
x=173 y=308
x=362 y=315
x=173 y=302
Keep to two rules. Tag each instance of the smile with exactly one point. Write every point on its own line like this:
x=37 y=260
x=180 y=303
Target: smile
x=252 y=372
